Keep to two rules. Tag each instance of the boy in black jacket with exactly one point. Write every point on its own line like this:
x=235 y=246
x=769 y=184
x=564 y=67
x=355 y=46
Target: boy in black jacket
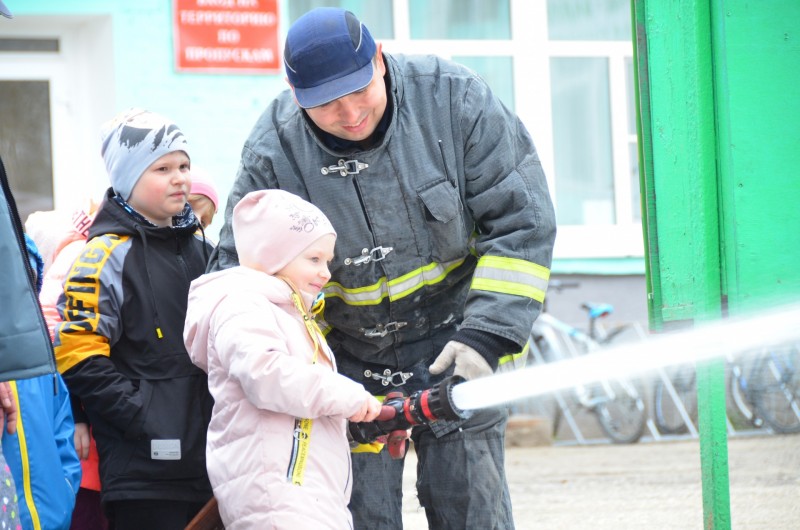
x=120 y=345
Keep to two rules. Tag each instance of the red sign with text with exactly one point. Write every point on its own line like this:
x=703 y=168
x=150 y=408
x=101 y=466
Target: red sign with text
x=226 y=36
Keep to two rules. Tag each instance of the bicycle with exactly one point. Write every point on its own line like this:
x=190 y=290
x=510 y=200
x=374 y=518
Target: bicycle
x=762 y=392
x=617 y=404
x=675 y=399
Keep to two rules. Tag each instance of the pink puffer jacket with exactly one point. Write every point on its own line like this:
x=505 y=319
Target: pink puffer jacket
x=242 y=328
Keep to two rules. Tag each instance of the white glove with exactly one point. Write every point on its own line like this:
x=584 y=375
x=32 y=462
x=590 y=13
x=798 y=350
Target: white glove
x=469 y=363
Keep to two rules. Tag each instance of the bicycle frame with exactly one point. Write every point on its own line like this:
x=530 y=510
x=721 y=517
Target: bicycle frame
x=564 y=342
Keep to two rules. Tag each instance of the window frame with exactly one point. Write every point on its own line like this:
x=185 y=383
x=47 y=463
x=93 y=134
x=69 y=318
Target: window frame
x=531 y=50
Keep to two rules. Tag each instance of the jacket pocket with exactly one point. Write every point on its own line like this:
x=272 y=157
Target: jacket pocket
x=174 y=429
x=446 y=231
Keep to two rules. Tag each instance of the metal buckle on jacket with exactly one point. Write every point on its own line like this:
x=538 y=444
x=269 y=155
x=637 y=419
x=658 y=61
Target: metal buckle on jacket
x=376 y=254
x=389 y=378
x=381 y=330
x=346 y=167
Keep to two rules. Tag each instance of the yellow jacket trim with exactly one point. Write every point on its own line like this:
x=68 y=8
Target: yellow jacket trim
x=514 y=357
x=511 y=276
x=26 y=468
x=373 y=447
x=395 y=289
x=302 y=436
x=82 y=310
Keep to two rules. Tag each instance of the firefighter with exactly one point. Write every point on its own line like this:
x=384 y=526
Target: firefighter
x=446 y=230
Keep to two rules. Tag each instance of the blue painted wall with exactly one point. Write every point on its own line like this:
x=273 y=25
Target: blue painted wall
x=215 y=111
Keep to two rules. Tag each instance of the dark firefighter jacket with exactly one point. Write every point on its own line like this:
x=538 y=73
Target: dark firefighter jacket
x=446 y=222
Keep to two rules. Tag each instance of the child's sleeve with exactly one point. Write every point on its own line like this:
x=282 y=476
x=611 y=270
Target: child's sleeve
x=254 y=351
x=91 y=312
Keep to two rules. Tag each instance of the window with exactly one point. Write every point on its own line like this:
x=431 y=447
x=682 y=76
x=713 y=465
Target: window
x=25 y=143
x=565 y=67
x=459 y=19
x=375 y=14
x=582 y=141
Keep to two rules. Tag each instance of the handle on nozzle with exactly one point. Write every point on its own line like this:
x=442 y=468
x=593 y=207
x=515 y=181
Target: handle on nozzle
x=399 y=413
x=396 y=443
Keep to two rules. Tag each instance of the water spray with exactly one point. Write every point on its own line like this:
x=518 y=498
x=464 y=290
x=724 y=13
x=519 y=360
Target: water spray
x=705 y=342
x=454 y=397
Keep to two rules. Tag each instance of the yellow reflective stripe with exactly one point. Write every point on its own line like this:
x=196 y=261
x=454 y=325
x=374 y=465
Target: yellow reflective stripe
x=324 y=327
x=513 y=357
x=511 y=276
x=430 y=274
x=26 y=468
x=302 y=436
x=395 y=289
x=369 y=295
x=373 y=447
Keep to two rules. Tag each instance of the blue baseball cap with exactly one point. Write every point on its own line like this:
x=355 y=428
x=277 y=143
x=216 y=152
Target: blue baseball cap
x=328 y=54
x=4 y=10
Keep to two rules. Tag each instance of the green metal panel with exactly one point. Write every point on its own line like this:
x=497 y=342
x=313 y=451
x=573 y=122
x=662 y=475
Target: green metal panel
x=683 y=179
x=757 y=74
x=719 y=153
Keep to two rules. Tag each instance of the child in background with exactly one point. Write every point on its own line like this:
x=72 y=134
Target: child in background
x=41 y=454
x=88 y=513
x=278 y=455
x=203 y=197
x=120 y=345
x=63 y=236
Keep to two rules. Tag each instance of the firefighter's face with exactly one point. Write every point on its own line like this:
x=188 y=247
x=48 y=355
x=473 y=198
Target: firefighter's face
x=355 y=116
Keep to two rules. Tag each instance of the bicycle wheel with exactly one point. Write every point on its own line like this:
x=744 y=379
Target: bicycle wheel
x=740 y=406
x=666 y=414
x=620 y=410
x=775 y=388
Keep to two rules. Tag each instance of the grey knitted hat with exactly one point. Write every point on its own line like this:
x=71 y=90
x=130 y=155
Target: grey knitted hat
x=132 y=141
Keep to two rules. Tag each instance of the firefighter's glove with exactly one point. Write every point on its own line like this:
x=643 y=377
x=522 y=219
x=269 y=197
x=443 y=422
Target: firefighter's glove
x=469 y=363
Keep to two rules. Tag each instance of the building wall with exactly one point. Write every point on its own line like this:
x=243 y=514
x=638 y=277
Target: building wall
x=119 y=53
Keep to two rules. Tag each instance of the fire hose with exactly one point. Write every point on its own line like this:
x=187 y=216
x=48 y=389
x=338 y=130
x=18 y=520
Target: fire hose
x=400 y=412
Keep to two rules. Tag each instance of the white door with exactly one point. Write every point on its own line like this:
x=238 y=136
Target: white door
x=65 y=64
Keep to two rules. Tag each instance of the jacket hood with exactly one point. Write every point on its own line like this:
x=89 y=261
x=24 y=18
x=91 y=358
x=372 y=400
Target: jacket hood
x=206 y=293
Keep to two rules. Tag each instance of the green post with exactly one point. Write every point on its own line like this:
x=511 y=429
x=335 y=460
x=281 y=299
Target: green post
x=678 y=168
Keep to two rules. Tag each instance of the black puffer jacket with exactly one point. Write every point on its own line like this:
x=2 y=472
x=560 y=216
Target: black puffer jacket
x=120 y=349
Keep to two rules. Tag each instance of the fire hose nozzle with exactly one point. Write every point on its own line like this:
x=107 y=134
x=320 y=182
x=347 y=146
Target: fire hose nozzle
x=400 y=413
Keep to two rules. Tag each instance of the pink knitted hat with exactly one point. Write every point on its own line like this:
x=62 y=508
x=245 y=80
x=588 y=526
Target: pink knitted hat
x=203 y=185
x=272 y=227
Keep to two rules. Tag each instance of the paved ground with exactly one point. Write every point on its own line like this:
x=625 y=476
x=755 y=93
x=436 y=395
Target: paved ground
x=649 y=485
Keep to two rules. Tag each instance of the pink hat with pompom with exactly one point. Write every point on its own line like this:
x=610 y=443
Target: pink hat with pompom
x=272 y=227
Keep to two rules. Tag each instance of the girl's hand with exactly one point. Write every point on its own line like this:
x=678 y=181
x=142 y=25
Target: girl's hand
x=369 y=410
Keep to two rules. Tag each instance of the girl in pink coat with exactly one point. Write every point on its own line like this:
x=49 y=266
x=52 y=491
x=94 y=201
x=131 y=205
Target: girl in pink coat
x=277 y=453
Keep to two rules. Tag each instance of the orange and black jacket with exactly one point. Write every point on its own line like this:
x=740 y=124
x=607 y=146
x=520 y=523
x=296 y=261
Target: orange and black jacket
x=120 y=350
